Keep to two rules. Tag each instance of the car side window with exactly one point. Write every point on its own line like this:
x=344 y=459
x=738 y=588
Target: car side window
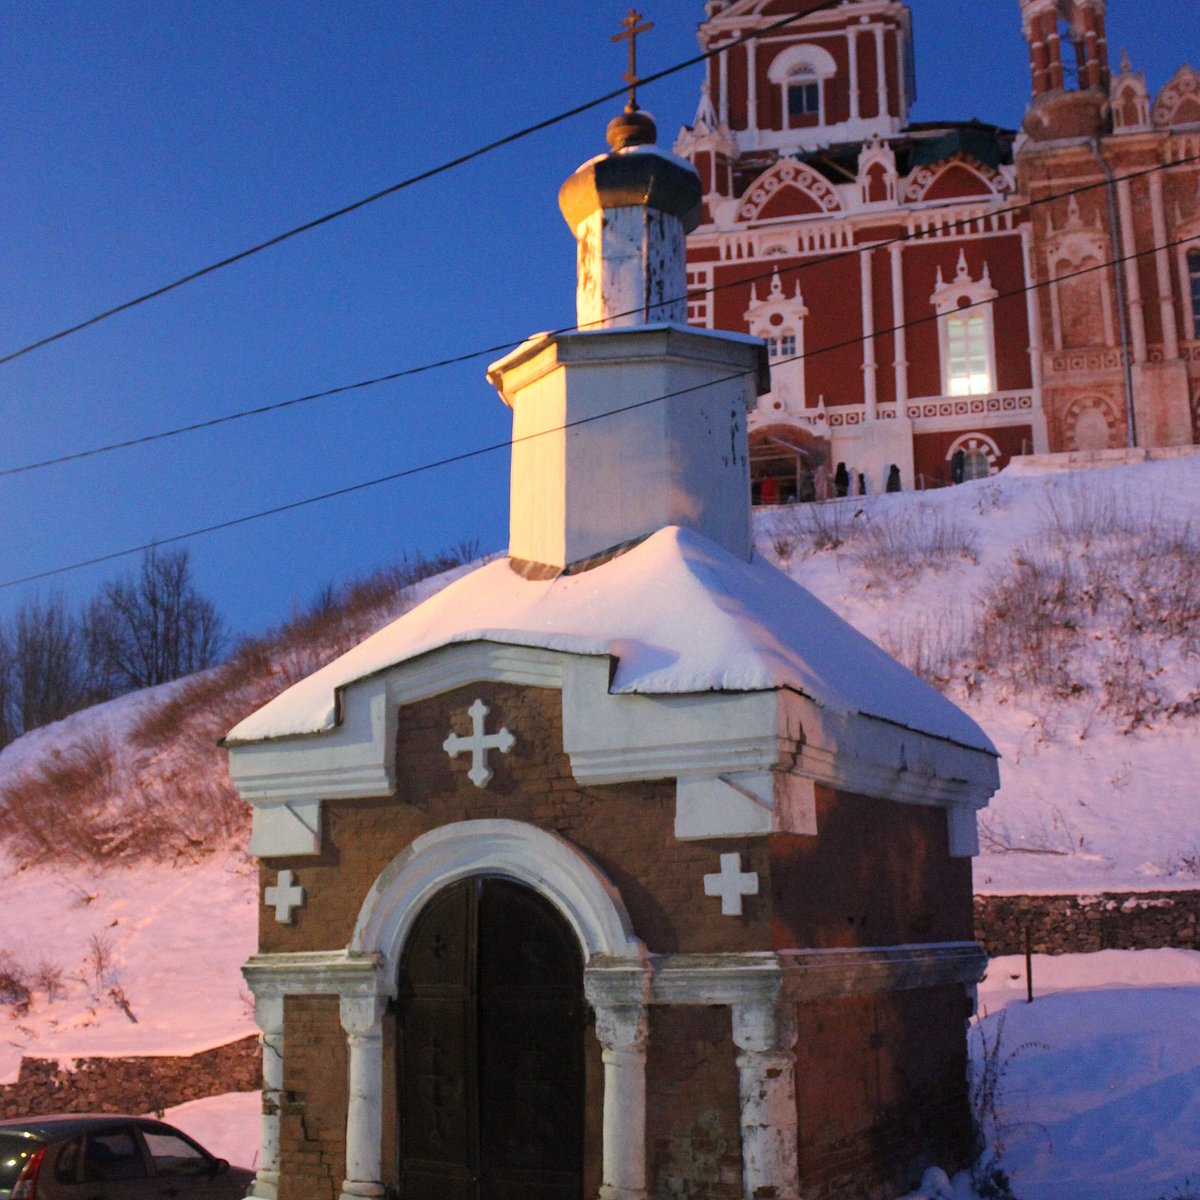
x=66 y=1169
x=112 y=1155
x=173 y=1155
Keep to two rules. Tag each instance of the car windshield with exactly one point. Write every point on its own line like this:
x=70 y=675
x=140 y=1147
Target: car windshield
x=15 y=1150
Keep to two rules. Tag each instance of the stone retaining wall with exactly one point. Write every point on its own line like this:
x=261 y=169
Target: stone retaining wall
x=1082 y=924
x=131 y=1085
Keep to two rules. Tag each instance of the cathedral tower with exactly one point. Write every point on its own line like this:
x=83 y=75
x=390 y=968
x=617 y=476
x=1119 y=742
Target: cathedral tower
x=1068 y=61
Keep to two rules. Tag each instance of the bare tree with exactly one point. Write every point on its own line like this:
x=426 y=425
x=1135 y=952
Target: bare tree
x=153 y=627
x=9 y=711
x=48 y=679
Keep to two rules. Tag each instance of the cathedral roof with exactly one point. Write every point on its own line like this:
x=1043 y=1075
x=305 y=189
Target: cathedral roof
x=676 y=613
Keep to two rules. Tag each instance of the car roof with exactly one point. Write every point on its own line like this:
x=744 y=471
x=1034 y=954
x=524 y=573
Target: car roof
x=63 y=1125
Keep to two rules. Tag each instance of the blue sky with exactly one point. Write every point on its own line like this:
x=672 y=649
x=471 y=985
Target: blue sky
x=142 y=140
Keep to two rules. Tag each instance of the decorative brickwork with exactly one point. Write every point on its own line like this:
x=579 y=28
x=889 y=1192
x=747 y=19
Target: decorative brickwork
x=131 y=1085
x=1084 y=924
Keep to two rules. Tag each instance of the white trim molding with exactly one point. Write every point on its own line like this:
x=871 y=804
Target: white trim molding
x=557 y=870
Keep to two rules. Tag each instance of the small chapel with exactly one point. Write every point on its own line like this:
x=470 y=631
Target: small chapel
x=621 y=867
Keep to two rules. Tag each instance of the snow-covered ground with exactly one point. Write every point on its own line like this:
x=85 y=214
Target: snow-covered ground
x=1099 y=1093
x=169 y=940
x=1082 y=805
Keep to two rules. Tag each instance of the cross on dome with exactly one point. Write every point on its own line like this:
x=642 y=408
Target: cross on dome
x=479 y=743
x=632 y=29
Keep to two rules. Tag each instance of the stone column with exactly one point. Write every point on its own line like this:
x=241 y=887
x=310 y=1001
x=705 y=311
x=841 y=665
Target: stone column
x=884 y=106
x=852 y=45
x=870 y=364
x=622 y=1032
x=362 y=1019
x=1162 y=264
x=752 y=89
x=900 y=335
x=268 y=1013
x=1133 y=283
x=765 y=1034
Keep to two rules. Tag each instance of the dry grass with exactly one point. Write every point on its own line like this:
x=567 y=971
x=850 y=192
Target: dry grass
x=1101 y=605
x=891 y=544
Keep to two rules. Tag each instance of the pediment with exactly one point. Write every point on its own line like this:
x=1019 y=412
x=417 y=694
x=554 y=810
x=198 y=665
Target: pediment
x=1179 y=102
x=958 y=177
x=788 y=189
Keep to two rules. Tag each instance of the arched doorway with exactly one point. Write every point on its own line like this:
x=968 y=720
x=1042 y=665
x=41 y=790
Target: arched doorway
x=490 y=1048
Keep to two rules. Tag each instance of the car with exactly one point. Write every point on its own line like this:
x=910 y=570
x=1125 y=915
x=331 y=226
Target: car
x=79 y=1156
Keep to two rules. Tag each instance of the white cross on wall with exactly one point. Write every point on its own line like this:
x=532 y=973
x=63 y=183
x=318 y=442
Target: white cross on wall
x=479 y=743
x=286 y=895
x=731 y=883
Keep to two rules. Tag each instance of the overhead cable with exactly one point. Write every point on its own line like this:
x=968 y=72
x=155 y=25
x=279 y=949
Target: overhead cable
x=479 y=451
x=503 y=347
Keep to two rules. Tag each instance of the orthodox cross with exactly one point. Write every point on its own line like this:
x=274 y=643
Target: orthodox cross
x=731 y=883
x=632 y=29
x=285 y=896
x=479 y=743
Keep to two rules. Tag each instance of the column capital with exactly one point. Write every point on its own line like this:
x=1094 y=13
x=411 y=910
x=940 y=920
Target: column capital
x=362 y=1016
x=268 y=1015
x=763 y=1027
x=621 y=1027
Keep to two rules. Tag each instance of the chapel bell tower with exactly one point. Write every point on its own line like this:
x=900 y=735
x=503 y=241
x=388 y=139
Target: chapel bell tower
x=633 y=421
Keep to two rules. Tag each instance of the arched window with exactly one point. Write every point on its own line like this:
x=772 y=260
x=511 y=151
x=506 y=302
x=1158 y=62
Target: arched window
x=801 y=73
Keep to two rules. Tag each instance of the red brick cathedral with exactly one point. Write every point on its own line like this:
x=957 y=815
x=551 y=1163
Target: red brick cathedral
x=941 y=297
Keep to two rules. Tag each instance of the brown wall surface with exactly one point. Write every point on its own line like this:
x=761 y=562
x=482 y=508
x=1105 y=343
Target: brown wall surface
x=693 y=1138
x=881 y=1085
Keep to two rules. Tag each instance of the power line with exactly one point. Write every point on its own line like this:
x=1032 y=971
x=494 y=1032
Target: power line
x=500 y=348
x=420 y=177
x=479 y=451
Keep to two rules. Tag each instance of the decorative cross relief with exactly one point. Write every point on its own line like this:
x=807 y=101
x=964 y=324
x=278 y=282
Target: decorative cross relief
x=731 y=883
x=285 y=896
x=479 y=743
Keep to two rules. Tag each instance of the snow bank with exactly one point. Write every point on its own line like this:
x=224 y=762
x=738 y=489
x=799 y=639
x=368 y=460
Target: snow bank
x=174 y=939
x=228 y=1126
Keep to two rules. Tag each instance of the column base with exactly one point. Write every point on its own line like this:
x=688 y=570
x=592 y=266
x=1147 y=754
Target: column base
x=265 y=1186
x=355 y=1189
x=609 y=1192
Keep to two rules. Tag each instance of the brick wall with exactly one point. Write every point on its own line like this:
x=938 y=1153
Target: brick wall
x=312 y=1123
x=131 y=1085
x=693 y=1138
x=881 y=1087
x=1083 y=924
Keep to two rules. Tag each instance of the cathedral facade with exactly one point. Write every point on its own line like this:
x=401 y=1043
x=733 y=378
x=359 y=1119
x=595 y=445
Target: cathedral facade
x=938 y=298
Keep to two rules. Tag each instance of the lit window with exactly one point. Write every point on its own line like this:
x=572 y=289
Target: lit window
x=1193 y=260
x=967 y=355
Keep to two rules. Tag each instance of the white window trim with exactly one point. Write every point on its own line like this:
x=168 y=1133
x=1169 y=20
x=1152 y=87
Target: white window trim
x=811 y=60
x=948 y=299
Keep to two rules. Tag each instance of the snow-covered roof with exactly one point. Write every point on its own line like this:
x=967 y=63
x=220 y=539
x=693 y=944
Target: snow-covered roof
x=677 y=613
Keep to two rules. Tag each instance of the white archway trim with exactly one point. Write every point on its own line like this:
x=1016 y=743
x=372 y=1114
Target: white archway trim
x=543 y=861
x=796 y=58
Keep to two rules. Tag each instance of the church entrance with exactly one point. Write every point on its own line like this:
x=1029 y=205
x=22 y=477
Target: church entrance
x=490 y=1049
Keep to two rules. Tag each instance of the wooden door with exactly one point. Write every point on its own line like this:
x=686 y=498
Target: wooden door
x=490 y=1052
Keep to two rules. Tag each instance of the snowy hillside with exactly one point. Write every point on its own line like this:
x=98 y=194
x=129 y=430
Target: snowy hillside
x=1062 y=611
